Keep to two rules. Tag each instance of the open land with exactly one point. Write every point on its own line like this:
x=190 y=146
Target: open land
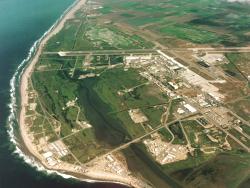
x=144 y=94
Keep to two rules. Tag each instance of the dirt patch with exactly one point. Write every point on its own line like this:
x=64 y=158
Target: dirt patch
x=137 y=116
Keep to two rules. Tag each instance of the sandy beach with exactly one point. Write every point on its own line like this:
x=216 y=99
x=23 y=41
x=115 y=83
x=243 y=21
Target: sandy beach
x=94 y=175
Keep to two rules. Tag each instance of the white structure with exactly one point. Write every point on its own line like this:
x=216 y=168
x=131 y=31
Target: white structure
x=173 y=85
x=180 y=111
x=190 y=108
x=62 y=54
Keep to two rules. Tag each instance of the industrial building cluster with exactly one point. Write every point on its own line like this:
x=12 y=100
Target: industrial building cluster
x=165 y=152
x=54 y=151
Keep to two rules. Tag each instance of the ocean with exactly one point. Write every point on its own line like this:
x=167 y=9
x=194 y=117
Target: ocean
x=22 y=23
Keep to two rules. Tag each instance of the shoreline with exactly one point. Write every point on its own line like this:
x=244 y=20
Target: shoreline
x=25 y=73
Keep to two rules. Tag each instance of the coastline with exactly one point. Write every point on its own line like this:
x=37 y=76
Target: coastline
x=23 y=74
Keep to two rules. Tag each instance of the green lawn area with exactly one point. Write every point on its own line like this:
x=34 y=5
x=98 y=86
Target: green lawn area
x=134 y=130
x=113 y=81
x=52 y=62
x=106 y=10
